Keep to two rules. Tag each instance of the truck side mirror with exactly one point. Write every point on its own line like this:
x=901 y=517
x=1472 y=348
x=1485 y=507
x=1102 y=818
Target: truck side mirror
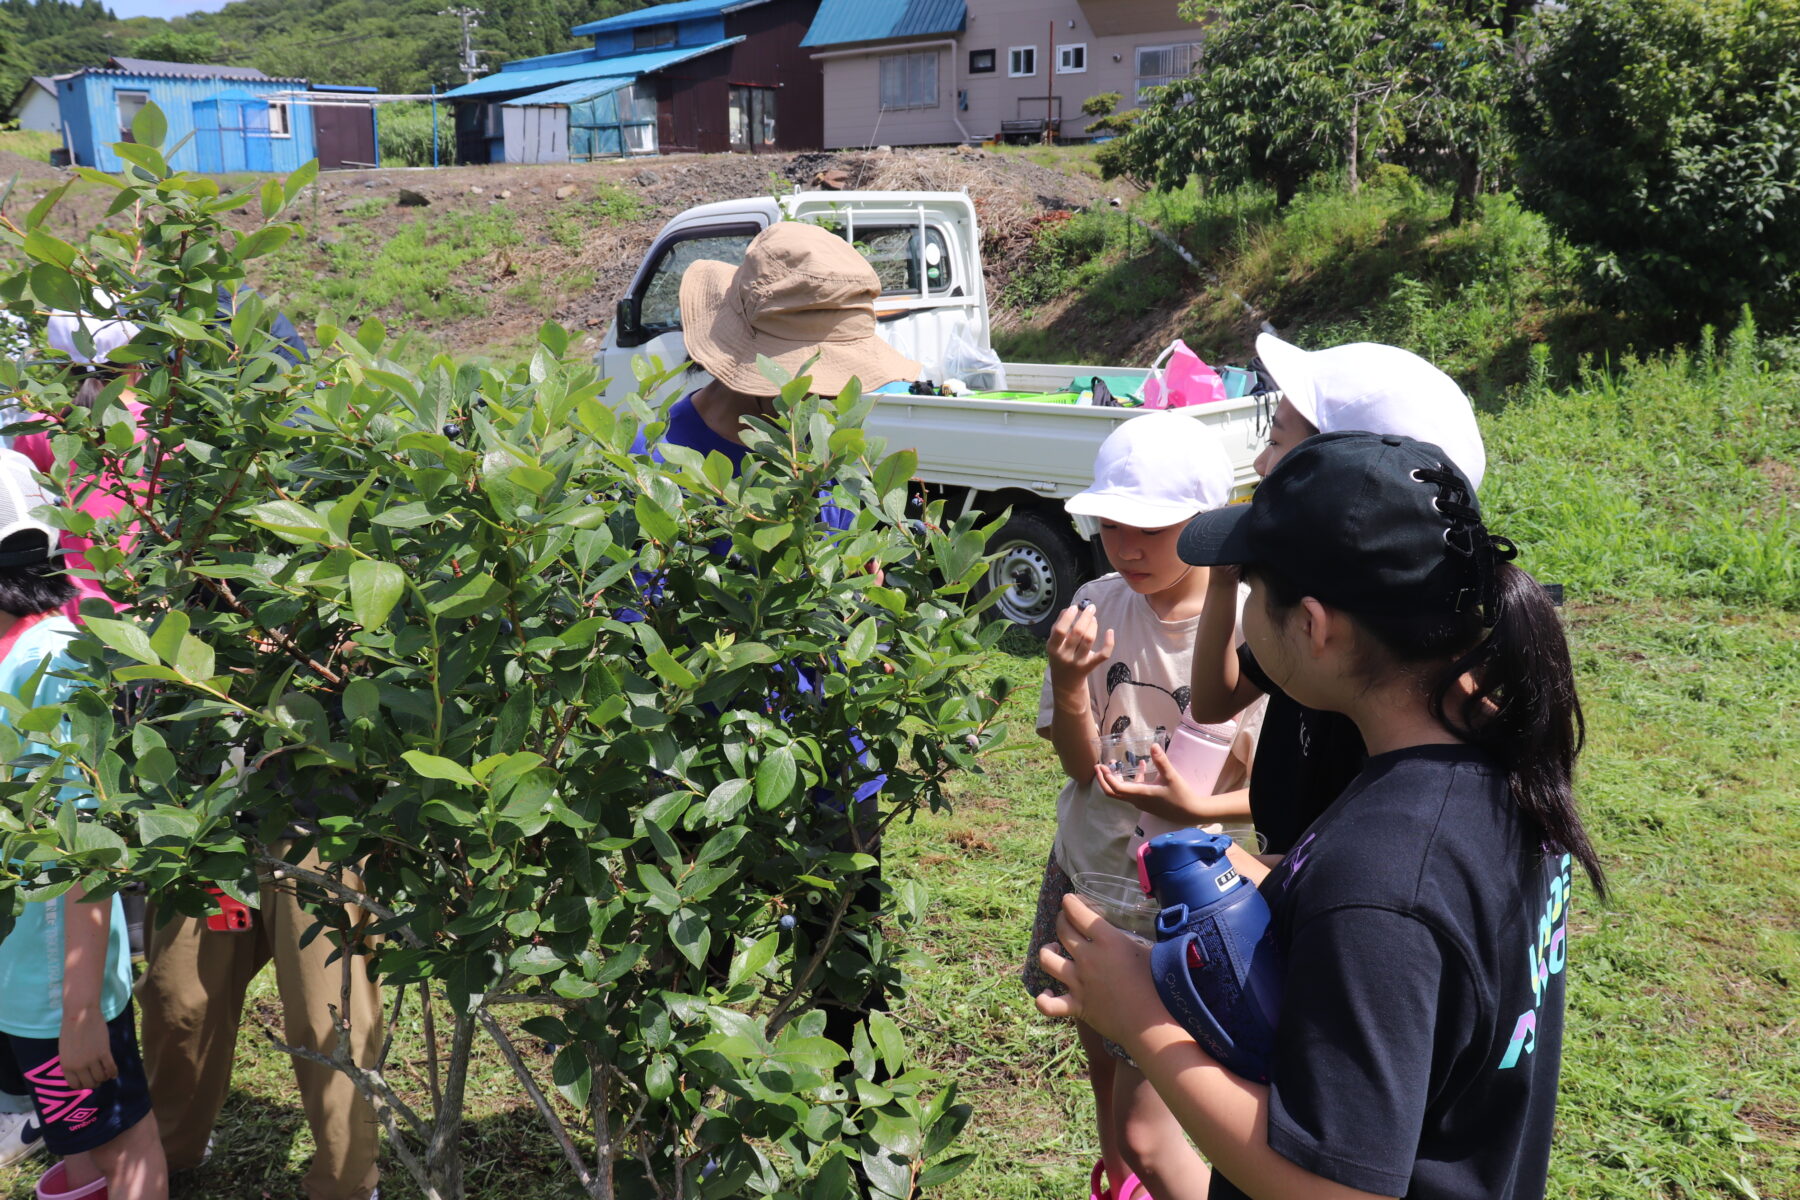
x=627 y=324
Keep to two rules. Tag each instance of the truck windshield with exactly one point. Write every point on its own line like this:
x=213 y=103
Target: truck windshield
x=893 y=250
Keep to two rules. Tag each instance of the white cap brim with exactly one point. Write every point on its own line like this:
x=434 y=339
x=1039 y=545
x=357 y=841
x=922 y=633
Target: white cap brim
x=1293 y=374
x=1135 y=511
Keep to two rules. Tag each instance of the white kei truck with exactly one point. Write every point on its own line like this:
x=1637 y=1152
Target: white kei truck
x=985 y=455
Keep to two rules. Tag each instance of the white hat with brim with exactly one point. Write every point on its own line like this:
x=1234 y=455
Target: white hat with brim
x=1367 y=387
x=801 y=293
x=1155 y=470
x=105 y=333
x=20 y=495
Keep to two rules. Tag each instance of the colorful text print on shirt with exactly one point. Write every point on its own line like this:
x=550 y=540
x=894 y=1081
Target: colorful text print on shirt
x=57 y=1100
x=1545 y=956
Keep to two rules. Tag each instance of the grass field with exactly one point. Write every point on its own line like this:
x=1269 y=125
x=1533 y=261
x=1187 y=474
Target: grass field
x=1666 y=498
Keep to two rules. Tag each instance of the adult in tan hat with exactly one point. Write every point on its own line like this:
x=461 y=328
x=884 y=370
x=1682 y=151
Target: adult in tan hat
x=802 y=294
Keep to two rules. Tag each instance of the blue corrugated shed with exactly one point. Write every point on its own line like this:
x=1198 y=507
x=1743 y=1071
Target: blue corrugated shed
x=629 y=66
x=573 y=93
x=96 y=105
x=663 y=14
x=841 y=21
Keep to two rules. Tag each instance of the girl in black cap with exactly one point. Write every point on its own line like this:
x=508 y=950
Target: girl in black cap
x=1423 y=917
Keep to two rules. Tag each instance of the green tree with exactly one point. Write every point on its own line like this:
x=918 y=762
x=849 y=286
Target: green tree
x=582 y=717
x=171 y=45
x=1285 y=91
x=1662 y=138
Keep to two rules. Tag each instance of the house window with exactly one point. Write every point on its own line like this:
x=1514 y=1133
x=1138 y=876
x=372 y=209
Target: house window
x=1021 y=61
x=1071 y=59
x=909 y=80
x=130 y=105
x=279 y=119
x=649 y=37
x=1161 y=65
x=981 y=62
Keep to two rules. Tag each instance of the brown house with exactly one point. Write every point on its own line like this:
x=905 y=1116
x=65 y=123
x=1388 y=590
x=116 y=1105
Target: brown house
x=696 y=75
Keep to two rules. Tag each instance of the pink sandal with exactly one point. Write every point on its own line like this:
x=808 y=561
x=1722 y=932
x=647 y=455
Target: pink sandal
x=1132 y=1189
x=54 y=1186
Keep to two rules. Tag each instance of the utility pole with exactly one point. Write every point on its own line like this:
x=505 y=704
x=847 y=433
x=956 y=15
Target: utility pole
x=468 y=66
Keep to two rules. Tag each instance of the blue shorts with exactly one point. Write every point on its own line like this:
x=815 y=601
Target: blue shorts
x=76 y=1120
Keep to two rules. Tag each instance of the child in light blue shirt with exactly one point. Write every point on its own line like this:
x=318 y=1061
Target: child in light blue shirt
x=66 y=1030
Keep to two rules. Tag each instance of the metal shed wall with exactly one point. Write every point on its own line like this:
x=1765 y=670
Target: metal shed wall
x=89 y=107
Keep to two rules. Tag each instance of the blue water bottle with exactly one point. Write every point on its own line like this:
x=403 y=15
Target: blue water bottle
x=1217 y=967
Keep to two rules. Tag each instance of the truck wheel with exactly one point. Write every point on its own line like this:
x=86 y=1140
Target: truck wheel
x=1040 y=568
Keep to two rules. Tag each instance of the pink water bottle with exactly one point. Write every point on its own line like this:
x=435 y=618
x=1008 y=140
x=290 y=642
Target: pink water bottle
x=1199 y=752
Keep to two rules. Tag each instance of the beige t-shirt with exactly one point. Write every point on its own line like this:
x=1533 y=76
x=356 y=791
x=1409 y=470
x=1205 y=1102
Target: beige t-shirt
x=1144 y=684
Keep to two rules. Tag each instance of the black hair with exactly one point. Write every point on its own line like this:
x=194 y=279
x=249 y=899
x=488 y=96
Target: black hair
x=34 y=588
x=1523 y=709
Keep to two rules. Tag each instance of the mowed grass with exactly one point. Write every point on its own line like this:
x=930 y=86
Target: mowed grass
x=1665 y=499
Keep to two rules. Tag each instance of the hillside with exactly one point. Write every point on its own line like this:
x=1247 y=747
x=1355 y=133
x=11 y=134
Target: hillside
x=405 y=46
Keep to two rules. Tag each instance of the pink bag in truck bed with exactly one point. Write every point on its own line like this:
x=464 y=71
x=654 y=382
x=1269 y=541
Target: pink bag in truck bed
x=1183 y=381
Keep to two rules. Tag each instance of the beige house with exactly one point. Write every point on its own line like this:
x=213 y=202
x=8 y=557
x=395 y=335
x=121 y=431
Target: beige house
x=922 y=72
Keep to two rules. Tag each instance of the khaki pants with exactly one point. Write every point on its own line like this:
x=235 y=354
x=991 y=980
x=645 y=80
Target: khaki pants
x=192 y=1000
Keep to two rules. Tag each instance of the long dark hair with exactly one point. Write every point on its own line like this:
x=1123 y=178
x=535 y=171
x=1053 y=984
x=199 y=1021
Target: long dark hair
x=36 y=586
x=1523 y=709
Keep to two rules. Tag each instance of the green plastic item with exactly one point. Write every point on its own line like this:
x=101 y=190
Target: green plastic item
x=1123 y=387
x=1039 y=397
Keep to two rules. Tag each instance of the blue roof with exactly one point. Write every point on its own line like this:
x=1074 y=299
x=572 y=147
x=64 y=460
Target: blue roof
x=842 y=21
x=663 y=14
x=625 y=66
x=573 y=93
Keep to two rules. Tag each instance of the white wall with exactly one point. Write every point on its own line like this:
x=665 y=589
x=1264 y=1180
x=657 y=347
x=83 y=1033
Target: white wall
x=853 y=115
x=40 y=111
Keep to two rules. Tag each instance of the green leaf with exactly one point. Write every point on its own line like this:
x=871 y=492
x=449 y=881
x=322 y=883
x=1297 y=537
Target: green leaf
x=726 y=801
x=860 y=645
x=290 y=521
x=654 y=521
x=264 y=240
x=362 y=700
x=303 y=174
x=433 y=766
x=55 y=288
x=125 y=637
x=884 y=1031
x=775 y=777
x=467 y=596
x=150 y=127
x=670 y=670
x=50 y=249
x=375 y=587
x=149 y=158
x=166 y=641
x=753 y=958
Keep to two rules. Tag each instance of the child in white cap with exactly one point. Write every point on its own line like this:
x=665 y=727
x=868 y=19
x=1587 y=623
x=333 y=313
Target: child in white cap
x=1360 y=387
x=1119 y=661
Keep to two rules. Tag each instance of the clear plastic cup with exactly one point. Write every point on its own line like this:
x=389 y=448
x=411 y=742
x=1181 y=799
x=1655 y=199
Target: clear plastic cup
x=1121 y=900
x=1247 y=837
x=1127 y=754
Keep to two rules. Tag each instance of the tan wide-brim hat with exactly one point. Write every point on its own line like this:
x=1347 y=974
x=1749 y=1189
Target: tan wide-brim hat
x=801 y=291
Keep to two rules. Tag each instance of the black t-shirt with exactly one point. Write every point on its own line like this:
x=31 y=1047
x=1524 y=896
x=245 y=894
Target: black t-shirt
x=1305 y=758
x=1420 y=1034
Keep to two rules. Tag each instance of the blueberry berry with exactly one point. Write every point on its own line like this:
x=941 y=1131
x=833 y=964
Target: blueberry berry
x=452 y=430
x=506 y=627
x=787 y=921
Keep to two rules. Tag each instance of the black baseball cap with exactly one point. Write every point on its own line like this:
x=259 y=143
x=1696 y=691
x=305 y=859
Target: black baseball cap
x=1361 y=521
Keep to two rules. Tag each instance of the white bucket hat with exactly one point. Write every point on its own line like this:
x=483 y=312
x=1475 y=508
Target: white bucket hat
x=106 y=333
x=1156 y=470
x=1371 y=388
x=20 y=494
